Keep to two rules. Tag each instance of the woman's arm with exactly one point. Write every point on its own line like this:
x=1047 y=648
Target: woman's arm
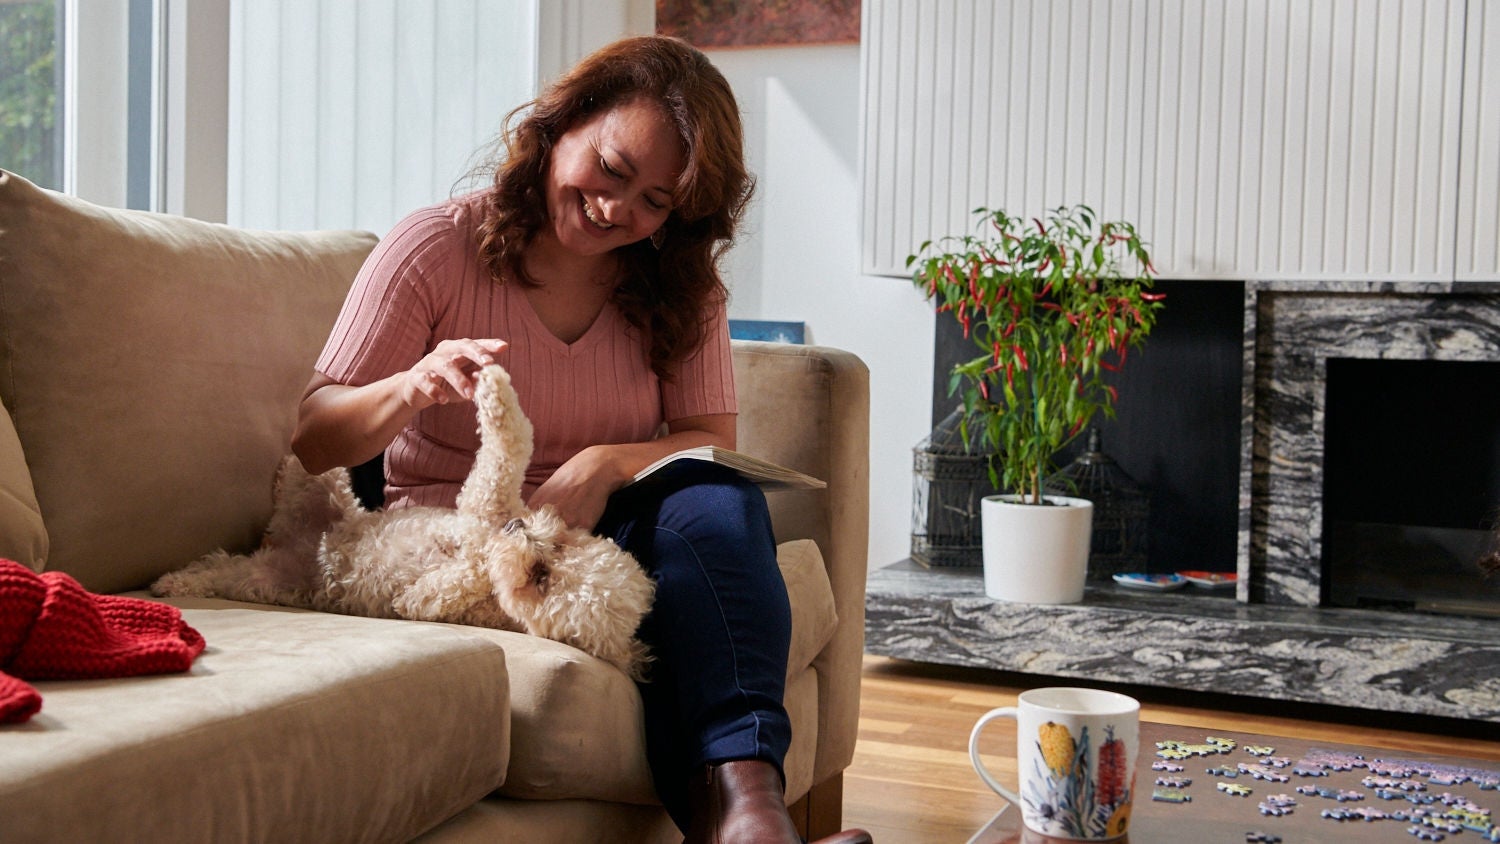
x=342 y=425
x=580 y=488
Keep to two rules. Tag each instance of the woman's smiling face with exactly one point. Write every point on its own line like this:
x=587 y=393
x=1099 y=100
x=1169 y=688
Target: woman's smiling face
x=611 y=178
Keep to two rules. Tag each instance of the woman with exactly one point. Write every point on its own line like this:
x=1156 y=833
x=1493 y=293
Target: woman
x=588 y=269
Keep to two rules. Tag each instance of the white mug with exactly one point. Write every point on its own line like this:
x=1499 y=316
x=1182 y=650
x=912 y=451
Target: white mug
x=1075 y=752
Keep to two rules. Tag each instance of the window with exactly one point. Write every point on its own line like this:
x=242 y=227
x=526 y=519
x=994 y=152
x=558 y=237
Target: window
x=31 y=85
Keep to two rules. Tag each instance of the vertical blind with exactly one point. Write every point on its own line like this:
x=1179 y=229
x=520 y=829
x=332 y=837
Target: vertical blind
x=350 y=114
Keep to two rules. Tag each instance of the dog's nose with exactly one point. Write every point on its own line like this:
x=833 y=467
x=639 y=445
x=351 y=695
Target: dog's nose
x=513 y=525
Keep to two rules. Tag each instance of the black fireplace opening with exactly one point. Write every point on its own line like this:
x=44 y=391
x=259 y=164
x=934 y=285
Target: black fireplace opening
x=1411 y=485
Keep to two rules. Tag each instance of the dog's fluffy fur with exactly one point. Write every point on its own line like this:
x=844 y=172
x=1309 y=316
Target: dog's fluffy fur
x=491 y=562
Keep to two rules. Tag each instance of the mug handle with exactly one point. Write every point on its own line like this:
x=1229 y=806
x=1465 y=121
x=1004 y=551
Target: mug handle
x=989 y=780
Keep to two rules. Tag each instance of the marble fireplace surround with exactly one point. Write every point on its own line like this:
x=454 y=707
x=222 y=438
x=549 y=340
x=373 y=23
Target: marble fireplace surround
x=1292 y=329
x=1271 y=639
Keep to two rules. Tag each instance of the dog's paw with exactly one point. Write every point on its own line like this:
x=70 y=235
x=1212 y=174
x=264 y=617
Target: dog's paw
x=195 y=581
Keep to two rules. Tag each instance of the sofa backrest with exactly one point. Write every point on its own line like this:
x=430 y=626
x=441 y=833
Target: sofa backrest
x=151 y=365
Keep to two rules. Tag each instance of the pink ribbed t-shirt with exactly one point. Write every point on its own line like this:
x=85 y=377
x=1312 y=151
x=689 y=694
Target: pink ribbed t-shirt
x=424 y=284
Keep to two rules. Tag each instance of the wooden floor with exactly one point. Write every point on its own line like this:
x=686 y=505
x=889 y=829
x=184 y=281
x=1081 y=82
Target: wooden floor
x=911 y=781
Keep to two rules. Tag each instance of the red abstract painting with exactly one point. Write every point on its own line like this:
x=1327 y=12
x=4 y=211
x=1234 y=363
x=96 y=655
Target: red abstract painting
x=739 y=23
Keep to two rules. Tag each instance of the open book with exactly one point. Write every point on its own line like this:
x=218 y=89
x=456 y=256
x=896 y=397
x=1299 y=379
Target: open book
x=769 y=475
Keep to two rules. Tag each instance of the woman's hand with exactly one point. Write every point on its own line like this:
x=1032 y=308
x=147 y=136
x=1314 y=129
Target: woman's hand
x=581 y=487
x=340 y=425
x=448 y=373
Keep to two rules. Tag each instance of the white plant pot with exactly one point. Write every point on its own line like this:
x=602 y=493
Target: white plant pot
x=1035 y=554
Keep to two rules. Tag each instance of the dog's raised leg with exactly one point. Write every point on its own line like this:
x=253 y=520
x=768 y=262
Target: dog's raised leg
x=493 y=488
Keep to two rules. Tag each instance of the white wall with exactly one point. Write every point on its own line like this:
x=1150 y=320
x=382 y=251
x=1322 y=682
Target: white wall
x=798 y=256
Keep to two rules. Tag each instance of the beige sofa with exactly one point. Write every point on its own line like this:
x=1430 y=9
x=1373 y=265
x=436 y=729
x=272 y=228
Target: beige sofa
x=150 y=366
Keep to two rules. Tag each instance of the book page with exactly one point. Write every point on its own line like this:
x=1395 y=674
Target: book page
x=768 y=475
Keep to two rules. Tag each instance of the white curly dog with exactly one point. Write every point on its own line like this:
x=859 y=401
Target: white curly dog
x=491 y=562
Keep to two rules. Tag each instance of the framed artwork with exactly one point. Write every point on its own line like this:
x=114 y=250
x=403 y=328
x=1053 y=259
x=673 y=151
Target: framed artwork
x=774 y=331
x=743 y=23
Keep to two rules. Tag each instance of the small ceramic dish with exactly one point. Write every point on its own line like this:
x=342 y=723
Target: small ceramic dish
x=1154 y=582
x=1210 y=579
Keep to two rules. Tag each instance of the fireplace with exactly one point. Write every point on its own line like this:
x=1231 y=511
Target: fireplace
x=1281 y=634
x=1345 y=471
x=1290 y=631
x=1411 y=480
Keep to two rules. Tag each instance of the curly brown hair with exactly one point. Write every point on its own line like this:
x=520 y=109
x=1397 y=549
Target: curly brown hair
x=665 y=293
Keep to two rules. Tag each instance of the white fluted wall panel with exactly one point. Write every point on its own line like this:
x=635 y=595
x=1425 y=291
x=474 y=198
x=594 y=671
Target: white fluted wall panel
x=1302 y=138
x=1020 y=105
x=1478 y=255
x=1246 y=138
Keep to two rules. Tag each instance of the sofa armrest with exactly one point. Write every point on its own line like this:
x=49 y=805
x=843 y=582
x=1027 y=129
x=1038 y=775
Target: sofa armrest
x=808 y=407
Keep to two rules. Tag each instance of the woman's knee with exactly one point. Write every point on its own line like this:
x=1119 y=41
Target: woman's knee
x=727 y=510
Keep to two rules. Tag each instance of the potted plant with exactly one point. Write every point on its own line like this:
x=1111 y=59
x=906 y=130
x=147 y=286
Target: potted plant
x=1053 y=305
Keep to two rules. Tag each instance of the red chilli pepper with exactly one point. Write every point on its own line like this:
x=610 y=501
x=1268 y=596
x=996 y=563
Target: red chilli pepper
x=1021 y=356
x=1153 y=297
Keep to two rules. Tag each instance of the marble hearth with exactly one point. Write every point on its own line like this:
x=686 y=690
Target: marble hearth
x=1271 y=639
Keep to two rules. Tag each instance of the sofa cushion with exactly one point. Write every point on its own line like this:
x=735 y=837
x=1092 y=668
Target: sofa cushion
x=137 y=341
x=577 y=725
x=291 y=726
x=23 y=537
x=813 y=615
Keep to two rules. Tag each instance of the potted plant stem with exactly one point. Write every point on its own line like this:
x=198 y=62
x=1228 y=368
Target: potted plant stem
x=1053 y=304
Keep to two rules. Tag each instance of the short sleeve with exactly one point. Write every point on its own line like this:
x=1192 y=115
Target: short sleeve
x=389 y=318
x=703 y=384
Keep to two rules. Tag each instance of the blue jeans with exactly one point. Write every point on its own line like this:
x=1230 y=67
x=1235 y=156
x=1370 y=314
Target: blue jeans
x=720 y=626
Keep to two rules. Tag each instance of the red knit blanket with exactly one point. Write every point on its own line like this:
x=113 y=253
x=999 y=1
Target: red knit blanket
x=51 y=628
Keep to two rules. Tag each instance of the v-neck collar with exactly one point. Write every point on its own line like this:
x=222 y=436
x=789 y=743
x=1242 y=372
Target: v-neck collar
x=541 y=333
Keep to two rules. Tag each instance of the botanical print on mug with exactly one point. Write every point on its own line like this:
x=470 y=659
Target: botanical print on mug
x=1069 y=796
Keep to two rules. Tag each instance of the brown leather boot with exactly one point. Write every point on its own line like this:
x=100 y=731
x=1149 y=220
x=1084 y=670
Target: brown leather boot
x=742 y=803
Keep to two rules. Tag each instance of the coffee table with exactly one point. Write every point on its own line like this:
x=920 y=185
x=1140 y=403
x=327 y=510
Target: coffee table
x=1371 y=782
